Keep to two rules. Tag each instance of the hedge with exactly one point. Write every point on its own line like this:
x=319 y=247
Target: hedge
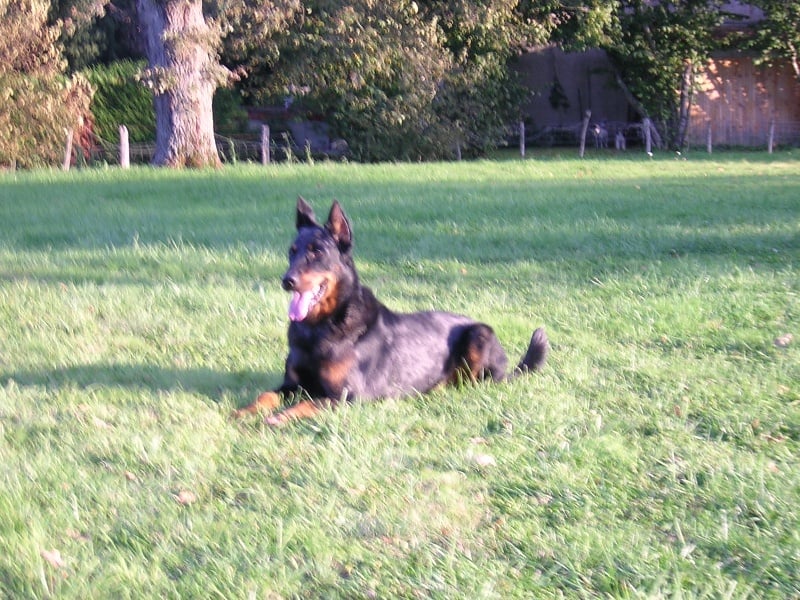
x=120 y=99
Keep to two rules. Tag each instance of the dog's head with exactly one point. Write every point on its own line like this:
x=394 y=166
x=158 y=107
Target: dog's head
x=321 y=274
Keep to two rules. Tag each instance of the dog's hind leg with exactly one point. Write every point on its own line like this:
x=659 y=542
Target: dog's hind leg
x=478 y=355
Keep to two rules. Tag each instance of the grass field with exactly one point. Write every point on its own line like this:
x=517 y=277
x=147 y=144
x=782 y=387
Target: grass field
x=655 y=456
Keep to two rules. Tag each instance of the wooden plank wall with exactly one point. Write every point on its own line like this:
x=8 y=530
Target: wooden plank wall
x=587 y=81
x=739 y=100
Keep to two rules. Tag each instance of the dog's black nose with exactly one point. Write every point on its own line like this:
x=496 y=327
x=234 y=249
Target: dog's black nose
x=289 y=282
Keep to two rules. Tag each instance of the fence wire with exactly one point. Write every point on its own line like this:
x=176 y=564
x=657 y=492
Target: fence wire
x=244 y=148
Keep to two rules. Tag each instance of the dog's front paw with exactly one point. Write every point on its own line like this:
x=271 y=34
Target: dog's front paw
x=276 y=420
x=305 y=409
x=266 y=402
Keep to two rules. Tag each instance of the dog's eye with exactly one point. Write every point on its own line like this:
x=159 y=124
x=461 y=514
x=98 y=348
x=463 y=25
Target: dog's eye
x=313 y=251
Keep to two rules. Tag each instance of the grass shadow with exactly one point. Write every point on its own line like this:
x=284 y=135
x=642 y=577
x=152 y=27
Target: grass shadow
x=583 y=214
x=214 y=385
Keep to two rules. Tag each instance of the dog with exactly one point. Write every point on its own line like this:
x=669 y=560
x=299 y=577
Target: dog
x=345 y=345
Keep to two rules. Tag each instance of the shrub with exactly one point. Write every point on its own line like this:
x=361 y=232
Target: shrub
x=397 y=81
x=39 y=103
x=120 y=99
x=229 y=116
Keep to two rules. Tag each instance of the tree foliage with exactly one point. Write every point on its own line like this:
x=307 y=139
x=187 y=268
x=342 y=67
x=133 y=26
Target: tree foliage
x=374 y=69
x=120 y=99
x=403 y=79
x=400 y=79
x=92 y=31
x=481 y=96
x=40 y=103
x=251 y=34
x=778 y=35
x=656 y=47
x=572 y=24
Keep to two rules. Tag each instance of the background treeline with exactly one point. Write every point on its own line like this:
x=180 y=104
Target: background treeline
x=397 y=79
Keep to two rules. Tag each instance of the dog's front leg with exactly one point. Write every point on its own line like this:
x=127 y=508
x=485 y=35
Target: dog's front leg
x=266 y=402
x=305 y=409
x=272 y=400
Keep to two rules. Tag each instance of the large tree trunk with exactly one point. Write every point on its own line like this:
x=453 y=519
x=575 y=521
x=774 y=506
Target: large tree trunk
x=183 y=73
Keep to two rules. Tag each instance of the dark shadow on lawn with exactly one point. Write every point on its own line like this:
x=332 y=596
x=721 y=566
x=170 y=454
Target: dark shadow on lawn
x=478 y=222
x=551 y=250
x=221 y=214
x=214 y=385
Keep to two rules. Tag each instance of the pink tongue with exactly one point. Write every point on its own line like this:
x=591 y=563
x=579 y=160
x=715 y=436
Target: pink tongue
x=299 y=306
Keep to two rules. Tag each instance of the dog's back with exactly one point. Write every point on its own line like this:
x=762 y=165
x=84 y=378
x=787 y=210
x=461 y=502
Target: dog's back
x=409 y=353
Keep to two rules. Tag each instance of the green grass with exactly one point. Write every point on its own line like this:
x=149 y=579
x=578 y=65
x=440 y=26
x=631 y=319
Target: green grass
x=655 y=456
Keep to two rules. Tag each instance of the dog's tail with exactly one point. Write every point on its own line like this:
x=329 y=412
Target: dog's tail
x=537 y=353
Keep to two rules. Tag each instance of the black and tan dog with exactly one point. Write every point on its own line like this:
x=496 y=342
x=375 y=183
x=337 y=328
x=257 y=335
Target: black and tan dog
x=345 y=345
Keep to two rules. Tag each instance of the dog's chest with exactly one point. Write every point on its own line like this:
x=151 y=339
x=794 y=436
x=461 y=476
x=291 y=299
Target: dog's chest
x=334 y=374
x=324 y=366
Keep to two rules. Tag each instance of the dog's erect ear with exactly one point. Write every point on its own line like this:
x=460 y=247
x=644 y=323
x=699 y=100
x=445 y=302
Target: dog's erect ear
x=305 y=214
x=339 y=227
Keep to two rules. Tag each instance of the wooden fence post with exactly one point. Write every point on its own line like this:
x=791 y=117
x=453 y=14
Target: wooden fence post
x=619 y=141
x=584 y=129
x=708 y=137
x=124 y=148
x=265 y=152
x=522 y=139
x=67 y=151
x=648 y=139
x=771 y=137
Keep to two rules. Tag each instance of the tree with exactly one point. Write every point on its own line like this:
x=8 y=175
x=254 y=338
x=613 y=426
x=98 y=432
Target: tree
x=373 y=69
x=572 y=24
x=404 y=79
x=656 y=47
x=96 y=31
x=778 y=35
x=183 y=75
x=255 y=31
x=480 y=95
x=182 y=44
x=40 y=104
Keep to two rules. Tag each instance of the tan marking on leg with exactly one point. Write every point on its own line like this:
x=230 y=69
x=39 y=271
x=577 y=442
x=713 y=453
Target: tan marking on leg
x=268 y=401
x=302 y=410
x=333 y=375
x=475 y=362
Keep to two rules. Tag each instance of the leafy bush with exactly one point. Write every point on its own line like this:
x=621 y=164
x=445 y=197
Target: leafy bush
x=479 y=100
x=395 y=83
x=229 y=116
x=39 y=103
x=120 y=99
x=378 y=94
